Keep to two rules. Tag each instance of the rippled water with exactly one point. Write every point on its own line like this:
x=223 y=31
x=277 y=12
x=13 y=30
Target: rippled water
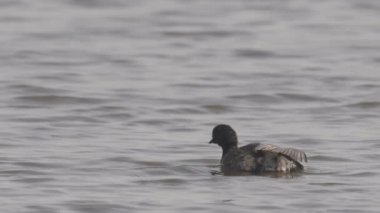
x=107 y=106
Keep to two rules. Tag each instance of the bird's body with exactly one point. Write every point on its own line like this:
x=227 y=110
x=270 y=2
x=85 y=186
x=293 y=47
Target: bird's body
x=255 y=157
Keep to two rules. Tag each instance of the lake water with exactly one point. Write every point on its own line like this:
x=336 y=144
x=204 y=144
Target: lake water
x=108 y=106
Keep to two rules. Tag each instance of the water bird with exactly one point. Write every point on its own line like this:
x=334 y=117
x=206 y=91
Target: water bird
x=255 y=157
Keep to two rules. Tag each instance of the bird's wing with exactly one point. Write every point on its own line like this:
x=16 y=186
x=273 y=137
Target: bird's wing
x=294 y=154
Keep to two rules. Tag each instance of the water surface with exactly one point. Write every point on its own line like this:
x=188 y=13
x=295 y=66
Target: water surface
x=107 y=106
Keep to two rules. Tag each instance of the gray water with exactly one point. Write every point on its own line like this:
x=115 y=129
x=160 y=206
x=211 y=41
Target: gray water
x=108 y=106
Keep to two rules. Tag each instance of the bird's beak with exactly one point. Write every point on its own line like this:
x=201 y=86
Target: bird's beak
x=212 y=141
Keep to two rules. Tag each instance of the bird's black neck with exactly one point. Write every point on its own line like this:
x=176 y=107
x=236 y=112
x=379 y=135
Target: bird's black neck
x=226 y=149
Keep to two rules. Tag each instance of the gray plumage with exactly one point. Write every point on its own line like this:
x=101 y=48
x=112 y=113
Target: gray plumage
x=255 y=157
